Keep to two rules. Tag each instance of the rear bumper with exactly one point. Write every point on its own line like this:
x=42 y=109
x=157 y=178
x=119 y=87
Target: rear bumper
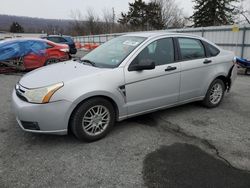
x=50 y=118
x=234 y=73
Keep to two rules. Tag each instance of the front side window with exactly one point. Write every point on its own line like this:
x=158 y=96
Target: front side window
x=160 y=52
x=191 y=49
x=112 y=53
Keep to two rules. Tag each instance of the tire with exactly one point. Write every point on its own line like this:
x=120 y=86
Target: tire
x=51 y=61
x=247 y=70
x=214 y=101
x=86 y=125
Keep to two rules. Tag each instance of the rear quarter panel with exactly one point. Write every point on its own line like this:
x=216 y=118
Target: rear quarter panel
x=222 y=63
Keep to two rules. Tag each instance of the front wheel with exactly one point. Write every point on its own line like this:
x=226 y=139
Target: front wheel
x=214 y=94
x=93 y=119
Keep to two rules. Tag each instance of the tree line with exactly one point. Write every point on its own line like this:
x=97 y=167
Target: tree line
x=154 y=15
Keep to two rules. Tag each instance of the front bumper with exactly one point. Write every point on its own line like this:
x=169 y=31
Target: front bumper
x=51 y=118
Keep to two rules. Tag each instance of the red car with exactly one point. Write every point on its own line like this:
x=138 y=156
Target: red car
x=28 y=54
x=54 y=53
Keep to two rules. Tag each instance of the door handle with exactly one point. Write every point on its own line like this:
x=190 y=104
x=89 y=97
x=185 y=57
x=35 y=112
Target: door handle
x=169 y=68
x=207 y=61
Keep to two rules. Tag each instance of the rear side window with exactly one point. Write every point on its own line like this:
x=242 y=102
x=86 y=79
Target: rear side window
x=62 y=39
x=54 y=39
x=212 y=50
x=191 y=48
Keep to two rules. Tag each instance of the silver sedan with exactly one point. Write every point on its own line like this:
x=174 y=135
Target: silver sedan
x=127 y=76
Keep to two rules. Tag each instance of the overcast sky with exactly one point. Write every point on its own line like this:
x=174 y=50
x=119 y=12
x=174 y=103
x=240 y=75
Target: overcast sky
x=60 y=9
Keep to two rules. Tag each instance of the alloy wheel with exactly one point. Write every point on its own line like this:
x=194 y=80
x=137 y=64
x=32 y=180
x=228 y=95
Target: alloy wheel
x=96 y=120
x=216 y=93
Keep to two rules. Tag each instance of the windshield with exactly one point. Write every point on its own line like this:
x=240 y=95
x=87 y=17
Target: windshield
x=113 y=52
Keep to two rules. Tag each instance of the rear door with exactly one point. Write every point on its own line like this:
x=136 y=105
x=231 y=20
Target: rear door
x=196 y=68
x=152 y=89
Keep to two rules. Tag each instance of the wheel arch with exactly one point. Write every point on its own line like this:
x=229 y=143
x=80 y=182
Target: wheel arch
x=222 y=77
x=79 y=103
x=226 y=79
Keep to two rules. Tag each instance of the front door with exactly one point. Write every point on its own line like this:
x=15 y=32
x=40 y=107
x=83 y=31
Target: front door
x=151 y=89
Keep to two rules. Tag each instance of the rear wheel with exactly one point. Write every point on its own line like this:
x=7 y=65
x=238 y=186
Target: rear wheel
x=51 y=61
x=93 y=119
x=214 y=94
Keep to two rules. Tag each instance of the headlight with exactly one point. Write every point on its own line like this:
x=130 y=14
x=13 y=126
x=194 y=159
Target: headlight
x=41 y=95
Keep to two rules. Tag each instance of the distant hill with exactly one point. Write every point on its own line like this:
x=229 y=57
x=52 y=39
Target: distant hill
x=36 y=25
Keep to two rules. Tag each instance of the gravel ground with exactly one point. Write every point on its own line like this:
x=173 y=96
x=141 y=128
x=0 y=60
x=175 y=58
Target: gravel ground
x=139 y=152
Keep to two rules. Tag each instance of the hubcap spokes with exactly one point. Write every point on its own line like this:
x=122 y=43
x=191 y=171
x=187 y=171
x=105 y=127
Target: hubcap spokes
x=96 y=120
x=216 y=93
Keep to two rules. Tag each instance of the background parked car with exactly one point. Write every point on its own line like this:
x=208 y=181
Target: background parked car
x=63 y=39
x=27 y=54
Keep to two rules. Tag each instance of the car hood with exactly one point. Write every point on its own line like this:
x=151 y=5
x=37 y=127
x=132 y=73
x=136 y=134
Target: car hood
x=60 y=72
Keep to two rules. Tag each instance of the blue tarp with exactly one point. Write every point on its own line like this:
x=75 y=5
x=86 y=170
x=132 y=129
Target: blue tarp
x=10 y=49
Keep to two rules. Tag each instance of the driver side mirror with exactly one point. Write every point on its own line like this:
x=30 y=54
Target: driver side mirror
x=144 y=64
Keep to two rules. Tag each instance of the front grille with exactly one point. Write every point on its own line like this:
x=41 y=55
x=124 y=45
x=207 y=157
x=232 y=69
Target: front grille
x=30 y=125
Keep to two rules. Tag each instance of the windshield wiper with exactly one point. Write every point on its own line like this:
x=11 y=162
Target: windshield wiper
x=89 y=62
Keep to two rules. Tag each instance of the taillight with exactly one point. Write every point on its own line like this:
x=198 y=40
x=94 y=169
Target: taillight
x=64 y=50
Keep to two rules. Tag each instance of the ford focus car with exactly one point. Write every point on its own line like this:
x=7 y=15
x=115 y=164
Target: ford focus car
x=127 y=76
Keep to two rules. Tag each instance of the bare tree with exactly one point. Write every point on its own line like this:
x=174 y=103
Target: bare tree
x=50 y=29
x=171 y=14
x=78 y=22
x=108 y=20
x=243 y=12
x=93 y=24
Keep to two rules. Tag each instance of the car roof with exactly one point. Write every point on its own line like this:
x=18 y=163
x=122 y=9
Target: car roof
x=32 y=39
x=152 y=34
x=56 y=36
x=24 y=38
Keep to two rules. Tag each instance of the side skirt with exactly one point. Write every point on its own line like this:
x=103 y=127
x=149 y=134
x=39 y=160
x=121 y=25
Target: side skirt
x=161 y=108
